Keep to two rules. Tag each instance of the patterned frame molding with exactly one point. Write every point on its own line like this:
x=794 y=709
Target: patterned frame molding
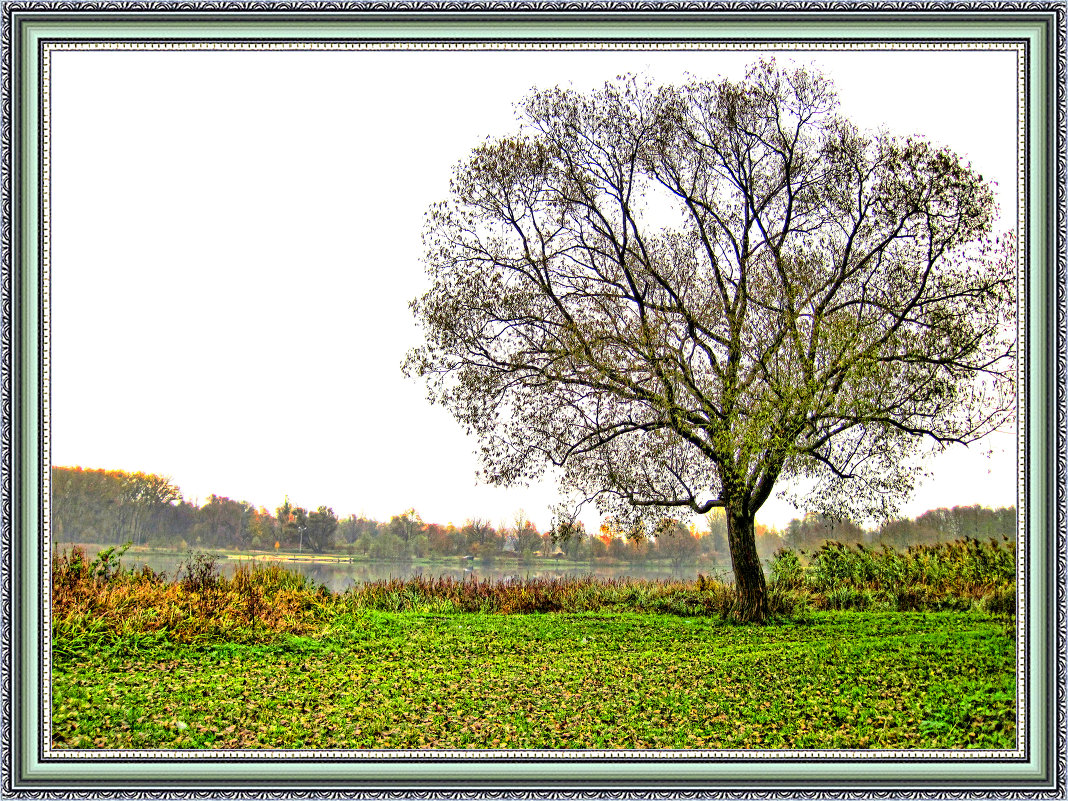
x=49 y=49
x=17 y=783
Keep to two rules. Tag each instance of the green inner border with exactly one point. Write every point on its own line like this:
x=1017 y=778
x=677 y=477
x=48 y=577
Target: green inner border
x=270 y=773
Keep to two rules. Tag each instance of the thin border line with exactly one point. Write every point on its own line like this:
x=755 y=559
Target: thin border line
x=46 y=753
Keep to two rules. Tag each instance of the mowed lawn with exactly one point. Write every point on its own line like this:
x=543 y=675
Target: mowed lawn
x=552 y=681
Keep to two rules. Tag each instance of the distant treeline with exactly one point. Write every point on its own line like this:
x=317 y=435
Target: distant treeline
x=114 y=507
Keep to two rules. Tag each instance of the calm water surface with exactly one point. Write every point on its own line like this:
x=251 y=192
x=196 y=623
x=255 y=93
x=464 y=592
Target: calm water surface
x=338 y=574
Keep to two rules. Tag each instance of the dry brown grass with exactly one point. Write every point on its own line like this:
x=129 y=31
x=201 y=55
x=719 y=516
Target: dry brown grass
x=255 y=602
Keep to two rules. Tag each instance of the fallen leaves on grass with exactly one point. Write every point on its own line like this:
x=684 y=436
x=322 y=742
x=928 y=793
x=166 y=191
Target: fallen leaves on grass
x=405 y=680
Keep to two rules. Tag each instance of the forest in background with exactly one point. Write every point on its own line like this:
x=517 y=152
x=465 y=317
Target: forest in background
x=115 y=507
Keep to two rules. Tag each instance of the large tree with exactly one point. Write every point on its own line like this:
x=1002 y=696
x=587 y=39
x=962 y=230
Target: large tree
x=681 y=297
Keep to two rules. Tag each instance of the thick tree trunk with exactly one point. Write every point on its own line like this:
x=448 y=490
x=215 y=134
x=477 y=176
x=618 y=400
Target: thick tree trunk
x=752 y=604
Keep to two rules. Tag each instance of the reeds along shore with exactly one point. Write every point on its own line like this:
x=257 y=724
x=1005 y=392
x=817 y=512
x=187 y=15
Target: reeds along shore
x=100 y=599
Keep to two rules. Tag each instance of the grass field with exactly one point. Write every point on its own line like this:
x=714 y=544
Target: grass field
x=865 y=649
x=618 y=680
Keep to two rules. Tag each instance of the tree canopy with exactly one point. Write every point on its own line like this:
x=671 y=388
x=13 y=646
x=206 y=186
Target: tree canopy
x=685 y=296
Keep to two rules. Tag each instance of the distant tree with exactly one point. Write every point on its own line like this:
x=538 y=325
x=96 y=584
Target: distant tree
x=261 y=528
x=355 y=527
x=419 y=546
x=479 y=530
x=387 y=546
x=173 y=525
x=678 y=544
x=284 y=514
x=617 y=549
x=527 y=537
x=576 y=545
x=86 y=504
x=347 y=531
x=322 y=523
x=548 y=544
x=438 y=540
x=945 y=525
x=768 y=541
x=1005 y=522
x=459 y=541
x=363 y=543
x=144 y=496
x=406 y=524
x=716 y=526
x=298 y=523
x=221 y=522
x=815 y=529
x=293 y=524
x=901 y=533
x=826 y=300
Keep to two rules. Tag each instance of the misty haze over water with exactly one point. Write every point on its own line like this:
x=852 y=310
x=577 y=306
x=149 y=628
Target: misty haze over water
x=337 y=574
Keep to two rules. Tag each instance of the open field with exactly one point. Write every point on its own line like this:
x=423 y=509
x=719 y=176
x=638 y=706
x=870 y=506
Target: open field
x=411 y=680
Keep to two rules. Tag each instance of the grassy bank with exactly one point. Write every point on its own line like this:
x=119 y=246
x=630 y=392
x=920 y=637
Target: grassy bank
x=400 y=680
x=266 y=659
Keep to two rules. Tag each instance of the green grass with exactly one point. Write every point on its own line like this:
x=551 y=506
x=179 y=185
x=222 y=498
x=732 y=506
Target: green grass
x=598 y=680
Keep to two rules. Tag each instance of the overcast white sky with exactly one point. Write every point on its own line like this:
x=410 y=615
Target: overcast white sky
x=236 y=237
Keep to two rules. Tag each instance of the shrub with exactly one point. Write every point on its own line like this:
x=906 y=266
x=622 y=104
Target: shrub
x=787 y=573
x=953 y=575
x=912 y=598
x=791 y=604
x=270 y=579
x=201 y=572
x=999 y=601
x=848 y=597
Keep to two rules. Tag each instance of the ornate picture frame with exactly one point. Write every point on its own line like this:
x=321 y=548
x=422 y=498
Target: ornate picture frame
x=32 y=31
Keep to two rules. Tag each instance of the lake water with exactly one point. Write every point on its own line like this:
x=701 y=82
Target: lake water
x=338 y=574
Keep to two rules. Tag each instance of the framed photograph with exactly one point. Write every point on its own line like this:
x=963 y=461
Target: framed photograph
x=535 y=399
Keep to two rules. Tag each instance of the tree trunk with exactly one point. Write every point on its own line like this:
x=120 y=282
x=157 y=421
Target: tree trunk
x=752 y=603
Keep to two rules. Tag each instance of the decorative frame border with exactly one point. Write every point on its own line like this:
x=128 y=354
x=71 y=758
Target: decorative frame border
x=754 y=755
x=13 y=344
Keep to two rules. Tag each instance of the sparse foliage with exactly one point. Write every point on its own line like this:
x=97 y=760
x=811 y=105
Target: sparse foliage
x=681 y=297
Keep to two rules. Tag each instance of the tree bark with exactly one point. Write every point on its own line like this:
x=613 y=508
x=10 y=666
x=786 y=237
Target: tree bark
x=752 y=603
